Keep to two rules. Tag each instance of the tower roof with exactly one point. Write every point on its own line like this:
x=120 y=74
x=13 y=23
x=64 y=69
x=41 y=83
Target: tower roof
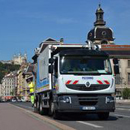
x=99 y=17
x=99 y=9
x=100 y=34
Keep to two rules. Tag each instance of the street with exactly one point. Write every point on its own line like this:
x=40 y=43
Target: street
x=119 y=120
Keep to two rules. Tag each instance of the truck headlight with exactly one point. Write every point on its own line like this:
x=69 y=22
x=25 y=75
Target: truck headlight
x=65 y=99
x=110 y=99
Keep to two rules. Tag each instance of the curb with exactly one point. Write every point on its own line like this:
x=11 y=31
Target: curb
x=123 y=102
x=45 y=119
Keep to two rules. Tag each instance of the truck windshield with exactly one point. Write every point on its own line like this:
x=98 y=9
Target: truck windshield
x=85 y=65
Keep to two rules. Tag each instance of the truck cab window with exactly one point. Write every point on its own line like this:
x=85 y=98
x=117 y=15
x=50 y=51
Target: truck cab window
x=84 y=65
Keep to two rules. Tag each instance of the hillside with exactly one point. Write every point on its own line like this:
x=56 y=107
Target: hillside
x=7 y=68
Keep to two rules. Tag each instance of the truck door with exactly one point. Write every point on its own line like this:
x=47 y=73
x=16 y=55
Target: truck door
x=55 y=74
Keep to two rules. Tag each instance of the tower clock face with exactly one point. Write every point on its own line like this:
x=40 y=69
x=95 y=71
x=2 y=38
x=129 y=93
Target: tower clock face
x=104 y=33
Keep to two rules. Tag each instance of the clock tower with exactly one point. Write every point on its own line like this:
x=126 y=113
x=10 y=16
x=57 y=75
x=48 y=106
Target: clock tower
x=100 y=34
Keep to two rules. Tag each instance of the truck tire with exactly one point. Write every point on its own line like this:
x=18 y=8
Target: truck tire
x=51 y=108
x=56 y=115
x=43 y=111
x=38 y=103
x=52 y=112
x=103 y=115
x=35 y=106
x=40 y=108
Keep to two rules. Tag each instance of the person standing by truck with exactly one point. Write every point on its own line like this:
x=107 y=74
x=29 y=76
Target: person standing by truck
x=31 y=86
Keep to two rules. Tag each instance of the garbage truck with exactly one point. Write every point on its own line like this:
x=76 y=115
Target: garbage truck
x=74 y=78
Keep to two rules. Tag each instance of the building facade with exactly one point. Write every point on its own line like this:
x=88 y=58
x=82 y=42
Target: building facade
x=22 y=88
x=9 y=83
x=1 y=90
x=122 y=53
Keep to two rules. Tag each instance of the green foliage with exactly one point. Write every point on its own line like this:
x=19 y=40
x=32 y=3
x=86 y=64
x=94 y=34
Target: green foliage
x=7 y=68
x=126 y=93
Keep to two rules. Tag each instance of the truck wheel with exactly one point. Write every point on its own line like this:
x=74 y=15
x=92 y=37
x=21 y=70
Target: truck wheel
x=43 y=111
x=52 y=112
x=56 y=115
x=51 y=108
x=103 y=115
x=35 y=108
x=38 y=104
x=41 y=108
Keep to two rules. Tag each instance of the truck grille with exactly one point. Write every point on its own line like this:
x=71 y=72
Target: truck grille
x=88 y=101
x=82 y=87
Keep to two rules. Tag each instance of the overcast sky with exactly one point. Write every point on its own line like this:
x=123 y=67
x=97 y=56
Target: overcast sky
x=25 y=23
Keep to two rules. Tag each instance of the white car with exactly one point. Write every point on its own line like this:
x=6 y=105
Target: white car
x=24 y=99
x=13 y=100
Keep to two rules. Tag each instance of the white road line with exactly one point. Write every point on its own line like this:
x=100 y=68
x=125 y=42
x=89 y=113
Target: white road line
x=90 y=124
x=122 y=115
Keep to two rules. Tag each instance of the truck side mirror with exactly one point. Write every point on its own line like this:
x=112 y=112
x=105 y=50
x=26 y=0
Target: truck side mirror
x=115 y=61
x=116 y=66
x=51 y=60
x=116 y=69
x=50 y=69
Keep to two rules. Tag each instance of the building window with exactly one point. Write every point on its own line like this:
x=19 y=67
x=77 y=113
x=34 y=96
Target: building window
x=128 y=78
x=128 y=63
x=118 y=79
x=104 y=42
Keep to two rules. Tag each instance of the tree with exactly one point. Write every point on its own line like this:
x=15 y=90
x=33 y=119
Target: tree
x=126 y=93
x=7 y=68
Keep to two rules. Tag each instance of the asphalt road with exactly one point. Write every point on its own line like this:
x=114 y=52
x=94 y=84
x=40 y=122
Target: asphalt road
x=119 y=120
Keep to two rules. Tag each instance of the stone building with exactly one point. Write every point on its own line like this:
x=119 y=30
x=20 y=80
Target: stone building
x=16 y=60
x=19 y=59
x=9 y=83
x=1 y=90
x=122 y=52
x=102 y=35
x=22 y=88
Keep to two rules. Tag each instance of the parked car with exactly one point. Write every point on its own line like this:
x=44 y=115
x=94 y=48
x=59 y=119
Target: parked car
x=24 y=99
x=13 y=100
x=19 y=100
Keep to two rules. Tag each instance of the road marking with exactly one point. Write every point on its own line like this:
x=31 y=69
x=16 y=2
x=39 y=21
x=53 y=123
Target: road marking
x=122 y=115
x=90 y=124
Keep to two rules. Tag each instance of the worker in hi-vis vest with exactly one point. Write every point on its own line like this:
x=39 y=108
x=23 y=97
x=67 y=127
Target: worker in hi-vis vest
x=31 y=86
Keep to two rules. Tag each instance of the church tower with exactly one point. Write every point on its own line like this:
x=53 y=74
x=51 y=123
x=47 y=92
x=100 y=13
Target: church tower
x=100 y=34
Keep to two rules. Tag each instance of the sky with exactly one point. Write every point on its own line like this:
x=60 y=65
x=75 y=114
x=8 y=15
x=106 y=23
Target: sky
x=24 y=24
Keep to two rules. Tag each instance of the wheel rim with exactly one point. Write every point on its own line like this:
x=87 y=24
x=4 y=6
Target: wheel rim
x=37 y=105
x=40 y=107
x=52 y=107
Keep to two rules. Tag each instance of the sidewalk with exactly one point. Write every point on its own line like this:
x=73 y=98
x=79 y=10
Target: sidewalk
x=12 y=118
x=121 y=101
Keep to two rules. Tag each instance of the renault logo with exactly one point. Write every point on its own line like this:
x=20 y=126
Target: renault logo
x=87 y=84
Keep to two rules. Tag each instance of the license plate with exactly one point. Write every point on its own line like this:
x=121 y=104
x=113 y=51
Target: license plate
x=88 y=108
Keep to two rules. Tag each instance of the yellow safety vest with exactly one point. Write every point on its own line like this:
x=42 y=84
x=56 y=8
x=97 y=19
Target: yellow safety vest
x=31 y=87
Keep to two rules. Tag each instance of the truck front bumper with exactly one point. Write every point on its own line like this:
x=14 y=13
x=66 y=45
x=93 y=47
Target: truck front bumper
x=85 y=103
